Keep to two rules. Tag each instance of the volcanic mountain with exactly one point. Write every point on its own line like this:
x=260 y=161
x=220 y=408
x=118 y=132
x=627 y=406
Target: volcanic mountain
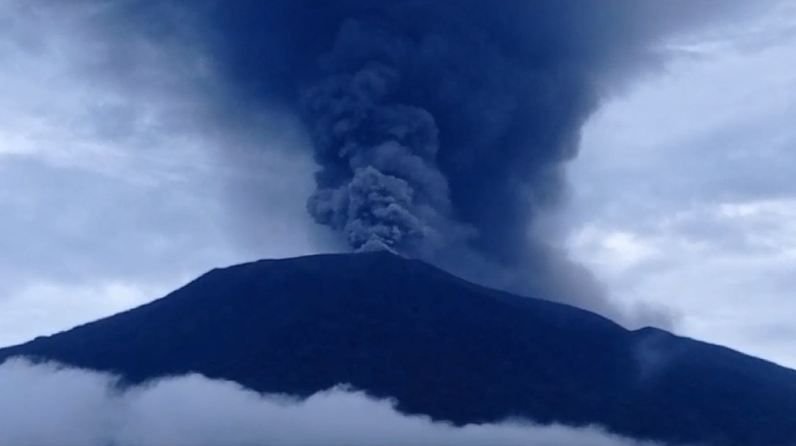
x=438 y=345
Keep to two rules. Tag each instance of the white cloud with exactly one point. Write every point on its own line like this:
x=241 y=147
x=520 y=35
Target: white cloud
x=725 y=268
x=45 y=307
x=614 y=251
x=47 y=405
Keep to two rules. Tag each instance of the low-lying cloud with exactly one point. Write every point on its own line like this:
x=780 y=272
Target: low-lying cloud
x=52 y=405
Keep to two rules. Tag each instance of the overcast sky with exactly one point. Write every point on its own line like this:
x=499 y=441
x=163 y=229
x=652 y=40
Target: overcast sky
x=684 y=192
x=114 y=188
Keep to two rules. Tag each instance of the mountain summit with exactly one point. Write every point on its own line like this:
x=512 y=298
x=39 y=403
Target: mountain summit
x=440 y=346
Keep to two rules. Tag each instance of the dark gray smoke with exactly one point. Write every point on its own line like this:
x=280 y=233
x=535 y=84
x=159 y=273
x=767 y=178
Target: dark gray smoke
x=440 y=124
x=379 y=184
x=442 y=128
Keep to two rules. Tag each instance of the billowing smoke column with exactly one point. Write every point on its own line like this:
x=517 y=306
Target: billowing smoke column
x=379 y=184
x=442 y=123
x=441 y=128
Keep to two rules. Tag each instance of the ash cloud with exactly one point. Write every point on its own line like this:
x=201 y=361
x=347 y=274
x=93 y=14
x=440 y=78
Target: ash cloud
x=442 y=129
x=51 y=405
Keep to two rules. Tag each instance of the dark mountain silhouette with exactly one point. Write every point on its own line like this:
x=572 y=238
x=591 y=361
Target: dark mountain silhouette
x=441 y=346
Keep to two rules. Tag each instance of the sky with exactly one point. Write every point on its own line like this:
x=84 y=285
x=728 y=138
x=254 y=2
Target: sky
x=683 y=193
x=121 y=179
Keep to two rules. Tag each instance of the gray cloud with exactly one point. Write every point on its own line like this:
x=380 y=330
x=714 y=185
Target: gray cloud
x=117 y=179
x=49 y=405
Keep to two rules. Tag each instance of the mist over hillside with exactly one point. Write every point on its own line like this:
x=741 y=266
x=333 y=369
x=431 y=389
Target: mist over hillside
x=50 y=405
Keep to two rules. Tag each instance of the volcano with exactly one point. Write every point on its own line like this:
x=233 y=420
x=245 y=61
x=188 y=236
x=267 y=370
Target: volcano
x=439 y=346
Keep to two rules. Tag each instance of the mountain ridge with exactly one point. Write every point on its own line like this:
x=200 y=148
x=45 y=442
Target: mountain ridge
x=440 y=346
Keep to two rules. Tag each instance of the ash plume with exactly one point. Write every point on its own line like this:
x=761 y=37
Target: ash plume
x=441 y=129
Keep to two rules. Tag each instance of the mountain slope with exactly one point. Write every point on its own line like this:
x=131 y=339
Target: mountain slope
x=439 y=345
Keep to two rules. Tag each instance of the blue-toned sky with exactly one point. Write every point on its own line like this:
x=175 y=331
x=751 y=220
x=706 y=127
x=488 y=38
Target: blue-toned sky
x=684 y=192
x=122 y=178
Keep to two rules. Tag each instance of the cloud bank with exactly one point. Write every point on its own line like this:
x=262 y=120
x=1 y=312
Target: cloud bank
x=51 y=405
